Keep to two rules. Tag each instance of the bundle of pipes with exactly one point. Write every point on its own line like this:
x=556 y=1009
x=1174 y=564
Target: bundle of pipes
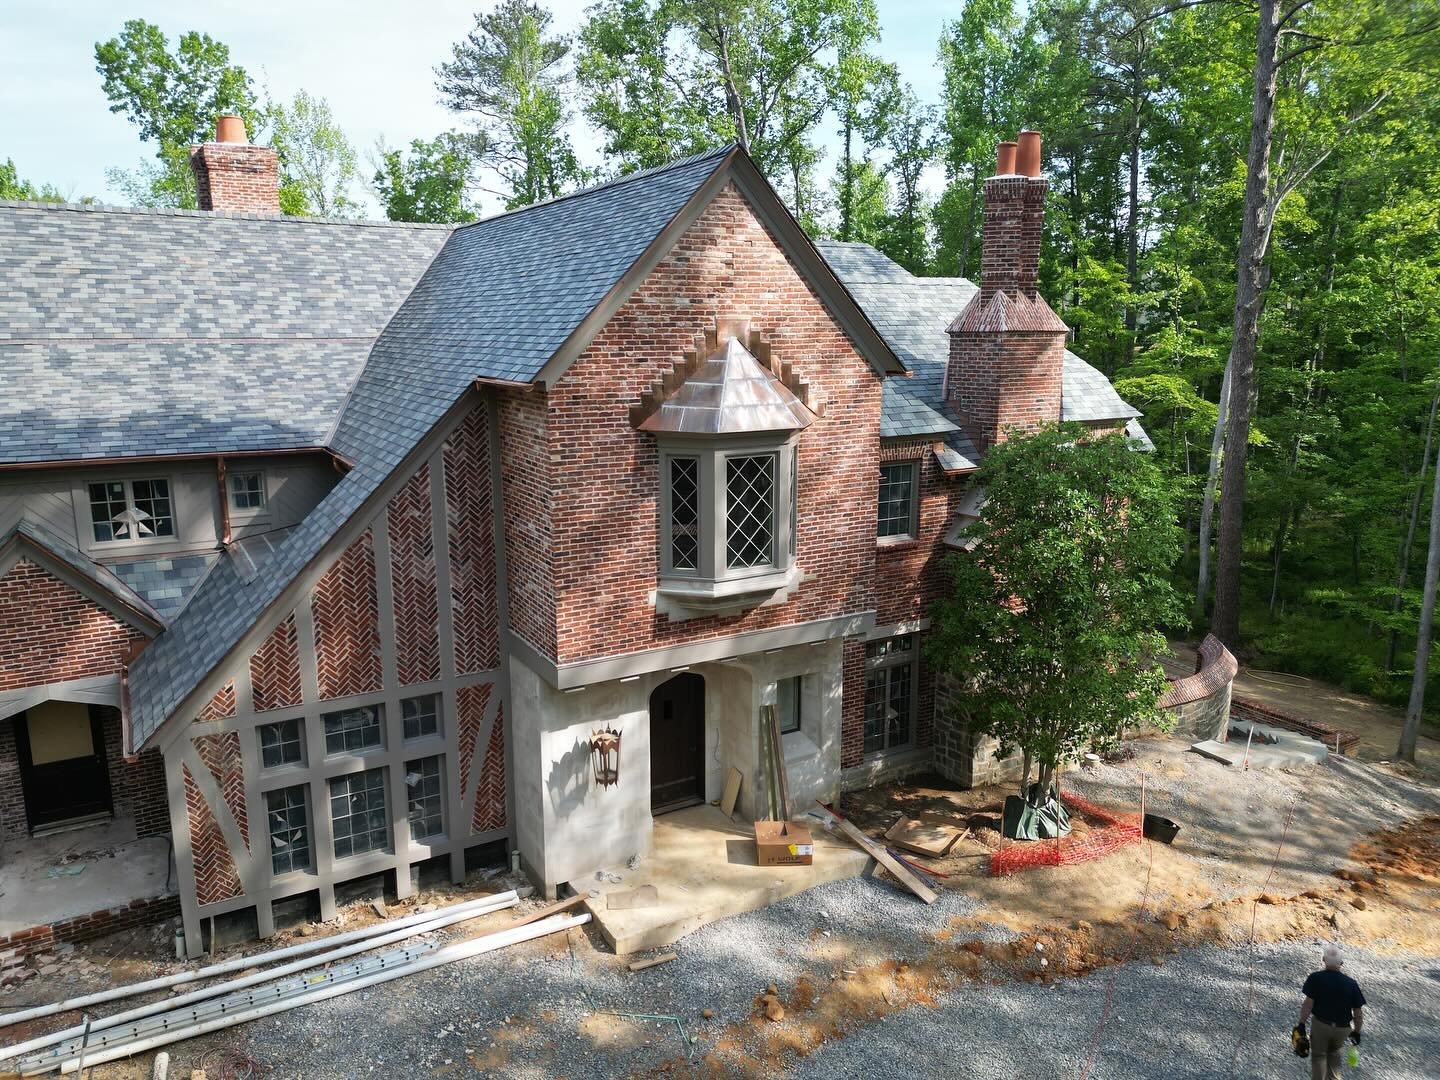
x=174 y=1019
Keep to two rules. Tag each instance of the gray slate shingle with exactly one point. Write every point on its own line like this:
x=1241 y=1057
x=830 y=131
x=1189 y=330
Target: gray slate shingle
x=497 y=302
x=102 y=577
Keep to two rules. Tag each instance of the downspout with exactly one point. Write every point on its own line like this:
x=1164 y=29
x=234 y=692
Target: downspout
x=224 y=502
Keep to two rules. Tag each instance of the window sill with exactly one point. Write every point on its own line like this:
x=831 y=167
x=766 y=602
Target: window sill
x=725 y=592
x=893 y=543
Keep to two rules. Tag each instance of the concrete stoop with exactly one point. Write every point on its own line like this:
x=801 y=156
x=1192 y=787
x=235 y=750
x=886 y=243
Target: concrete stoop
x=1290 y=749
x=703 y=868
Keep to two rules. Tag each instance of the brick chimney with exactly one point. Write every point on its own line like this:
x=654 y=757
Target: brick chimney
x=1007 y=347
x=233 y=175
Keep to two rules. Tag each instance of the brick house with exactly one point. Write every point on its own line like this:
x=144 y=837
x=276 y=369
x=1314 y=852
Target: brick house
x=325 y=545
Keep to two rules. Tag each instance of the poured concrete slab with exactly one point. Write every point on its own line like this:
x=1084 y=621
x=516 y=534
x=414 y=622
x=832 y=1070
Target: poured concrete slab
x=703 y=868
x=1289 y=750
x=47 y=879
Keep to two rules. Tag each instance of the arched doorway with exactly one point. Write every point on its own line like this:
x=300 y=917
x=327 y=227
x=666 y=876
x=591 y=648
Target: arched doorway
x=677 y=743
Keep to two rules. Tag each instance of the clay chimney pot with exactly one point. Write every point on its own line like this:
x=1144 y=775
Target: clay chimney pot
x=1005 y=159
x=230 y=129
x=1027 y=156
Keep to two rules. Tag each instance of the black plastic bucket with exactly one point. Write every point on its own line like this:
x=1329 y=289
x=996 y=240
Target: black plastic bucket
x=1160 y=828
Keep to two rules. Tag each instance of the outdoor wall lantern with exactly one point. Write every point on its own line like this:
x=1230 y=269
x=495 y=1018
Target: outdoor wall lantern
x=605 y=755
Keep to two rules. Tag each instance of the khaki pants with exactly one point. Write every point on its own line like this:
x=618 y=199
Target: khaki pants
x=1327 y=1049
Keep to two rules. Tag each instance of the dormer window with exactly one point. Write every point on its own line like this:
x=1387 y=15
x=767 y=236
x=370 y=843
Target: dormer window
x=130 y=510
x=727 y=432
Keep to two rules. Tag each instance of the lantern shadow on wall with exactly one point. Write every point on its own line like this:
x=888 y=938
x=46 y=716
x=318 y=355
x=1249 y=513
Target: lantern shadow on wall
x=605 y=755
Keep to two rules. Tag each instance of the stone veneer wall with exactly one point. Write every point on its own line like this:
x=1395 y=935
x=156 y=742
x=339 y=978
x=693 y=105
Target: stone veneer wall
x=1199 y=704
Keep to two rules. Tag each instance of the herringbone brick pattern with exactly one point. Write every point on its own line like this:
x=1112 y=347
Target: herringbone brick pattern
x=490 y=795
x=221 y=755
x=471 y=544
x=347 y=623
x=275 y=669
x=215 y=875
x=470 y=702
x=220 y=706
x=412 y=573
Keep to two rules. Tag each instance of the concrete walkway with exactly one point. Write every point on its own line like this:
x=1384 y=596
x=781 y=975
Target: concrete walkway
x=703 y=868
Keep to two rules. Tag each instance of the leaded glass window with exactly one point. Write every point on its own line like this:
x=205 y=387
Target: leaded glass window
x=427 y=804
x=684 y=513
x=358 y=813
x=750 y=511
x=289 y=829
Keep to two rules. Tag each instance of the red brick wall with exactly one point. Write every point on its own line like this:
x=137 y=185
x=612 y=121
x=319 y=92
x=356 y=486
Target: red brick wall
x=1005 y=380
x=604 y=482
x=275 y=669
x=852 y=704
x=215 y=876
x=50 y=633
x=220 y=706
x=470 y=702
x=97 y=924
x=490 y=798
x=137 y=787
x=471 y=544
x=13 y=821
x=525 y=476
x=347 y=624
x=412 y=576
x=236 y=177
x=909 y=576
x=221 y=755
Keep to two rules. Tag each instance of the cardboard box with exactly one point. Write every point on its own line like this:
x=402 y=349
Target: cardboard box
x=794 y=847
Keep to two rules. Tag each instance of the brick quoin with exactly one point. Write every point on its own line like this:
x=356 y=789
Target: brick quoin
x=347 y=623
x=471 y=544
x=412 y=575
x=602 y=475
x=275 y=669
x=51 y=633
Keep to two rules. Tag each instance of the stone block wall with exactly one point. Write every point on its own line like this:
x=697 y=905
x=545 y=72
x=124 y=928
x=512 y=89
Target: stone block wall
x=1199 y=704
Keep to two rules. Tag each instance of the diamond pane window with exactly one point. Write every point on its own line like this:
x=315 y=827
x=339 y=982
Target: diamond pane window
x=422 y=788
x=357 y=811
x=353 y=729
x=289 y=829
x=684 y=513
x=750 y=511
x=897 y=498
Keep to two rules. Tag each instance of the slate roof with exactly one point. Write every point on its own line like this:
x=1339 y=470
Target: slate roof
x=165 y=584
x=102 y=577
x=497 y=302
x=130 y=332
x=914 y=315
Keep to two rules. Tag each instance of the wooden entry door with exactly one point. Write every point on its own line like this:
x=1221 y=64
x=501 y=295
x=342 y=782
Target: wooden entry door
x=677 y=743
x=61 y=750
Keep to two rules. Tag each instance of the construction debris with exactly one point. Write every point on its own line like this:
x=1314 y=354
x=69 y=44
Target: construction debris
x=654 y=961
x=880 y=855
x=927 y=835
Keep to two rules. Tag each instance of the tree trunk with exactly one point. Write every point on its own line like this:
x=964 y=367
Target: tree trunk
x=1132 y=226
x=1402 y=575
x=965 y=241
x=1025 y=762
x=1249 y=296
x=847 y=187
x=1207 y=503
x=1411 y=731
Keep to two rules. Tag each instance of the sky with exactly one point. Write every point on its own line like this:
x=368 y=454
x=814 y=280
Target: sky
x=372 y=59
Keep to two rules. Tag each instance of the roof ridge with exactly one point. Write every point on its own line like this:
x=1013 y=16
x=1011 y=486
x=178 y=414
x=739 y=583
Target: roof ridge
x=614 y=181
x=219 y=215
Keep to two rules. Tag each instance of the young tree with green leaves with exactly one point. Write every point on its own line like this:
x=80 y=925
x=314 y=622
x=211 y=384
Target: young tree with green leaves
x=429 y=183
x=174 y=98
x=510 y=75
x=318 y=166
x=12 y=187
x=1056 y=617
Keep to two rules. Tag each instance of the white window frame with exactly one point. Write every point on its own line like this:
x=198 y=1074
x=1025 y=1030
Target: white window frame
x=128 y=483
x=713 y=579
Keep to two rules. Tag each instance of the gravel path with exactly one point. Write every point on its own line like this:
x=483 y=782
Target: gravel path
x=1179 y=1021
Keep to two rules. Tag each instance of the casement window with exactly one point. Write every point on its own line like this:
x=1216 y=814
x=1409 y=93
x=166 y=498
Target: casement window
x=424 y=791
x=420 y=716
x=289 y=826
x=247 y=491
x=354 y=729
x=892 y=669
x=358 y=815
x=282 y=743
x=787 y=703
x=131 y=510
x=897 y=500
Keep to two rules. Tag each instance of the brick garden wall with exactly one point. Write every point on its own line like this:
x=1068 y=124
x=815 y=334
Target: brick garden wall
x=604 y=474
x=97 y=924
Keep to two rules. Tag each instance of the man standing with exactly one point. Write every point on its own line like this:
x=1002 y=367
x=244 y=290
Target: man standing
x=1338 y=1007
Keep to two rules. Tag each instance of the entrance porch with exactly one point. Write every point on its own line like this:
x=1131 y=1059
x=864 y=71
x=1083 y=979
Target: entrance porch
x=703 y=868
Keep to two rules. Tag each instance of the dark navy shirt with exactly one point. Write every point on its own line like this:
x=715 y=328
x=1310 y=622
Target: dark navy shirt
x=1335 y=995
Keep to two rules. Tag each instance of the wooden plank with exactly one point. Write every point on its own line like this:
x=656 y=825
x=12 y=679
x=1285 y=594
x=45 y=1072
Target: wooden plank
x=732 y=791
x=654 y=961
x=880 y=855
x=770 y=718
x=930 y=837
x=548 y=910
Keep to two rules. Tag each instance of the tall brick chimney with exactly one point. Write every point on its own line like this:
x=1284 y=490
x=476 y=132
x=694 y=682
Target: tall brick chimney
x=233 y=175
x=1007 y=347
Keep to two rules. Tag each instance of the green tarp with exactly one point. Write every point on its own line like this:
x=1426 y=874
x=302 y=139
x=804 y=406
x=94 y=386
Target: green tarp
x=1023 y=821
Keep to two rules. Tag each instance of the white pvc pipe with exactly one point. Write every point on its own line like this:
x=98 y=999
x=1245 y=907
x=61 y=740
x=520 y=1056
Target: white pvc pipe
x=463 y=951
x=437 y=920
x=240 y=963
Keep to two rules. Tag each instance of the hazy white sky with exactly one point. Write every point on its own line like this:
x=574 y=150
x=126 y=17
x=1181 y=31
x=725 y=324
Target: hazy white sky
x=372 y=59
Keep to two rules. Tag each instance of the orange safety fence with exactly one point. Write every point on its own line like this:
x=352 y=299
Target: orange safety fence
x=1116 y=831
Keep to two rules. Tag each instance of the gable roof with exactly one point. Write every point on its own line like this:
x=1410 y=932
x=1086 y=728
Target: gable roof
x=29 y=534
x=914 y=314
x=141 y=333
x=497 y=302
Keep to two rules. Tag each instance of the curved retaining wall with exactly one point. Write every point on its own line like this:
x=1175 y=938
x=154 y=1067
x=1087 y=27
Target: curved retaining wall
x=1200 y=703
